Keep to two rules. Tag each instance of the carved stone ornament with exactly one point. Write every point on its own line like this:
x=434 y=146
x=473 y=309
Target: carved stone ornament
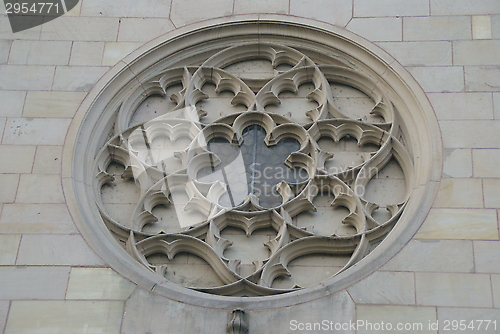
x=252 y=166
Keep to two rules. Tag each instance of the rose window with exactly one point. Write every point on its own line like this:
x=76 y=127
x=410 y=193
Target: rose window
x=254 y=169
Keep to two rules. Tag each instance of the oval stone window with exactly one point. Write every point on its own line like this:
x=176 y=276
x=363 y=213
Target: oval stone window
x=253 y=159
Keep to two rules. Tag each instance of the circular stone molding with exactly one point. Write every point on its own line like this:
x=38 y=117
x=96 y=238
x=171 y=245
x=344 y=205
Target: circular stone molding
x=256 y=158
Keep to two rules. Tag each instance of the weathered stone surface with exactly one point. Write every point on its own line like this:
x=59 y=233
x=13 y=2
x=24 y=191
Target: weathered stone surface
x=143 y=29
x=470 y=317
x=377 y=29
x=9 y=244
x=56 y=250
x=487 y=256
x=40 y=188
x=12 y=103
x=98 y=283
x=434 y=256
x=336 y=12
x=33 y=131
x=367 y=8
x=439 y=78
x=36 y=218
x=420 y=53
x=472 y=224
x=149 y=313
x=381 y=287
x=77 y=79
x=16 y=158
x=440 y=28
x=491 y=193
x=40 y=52
x=452 y=106
x=457 y=162
x=33 y=282
x=373 y=315
x=261 y=6
x=482 y=78
x=485 y=163
x=469 y=134
x=63 y=317
x=453 y=289
x=459 y=193
x=181 y=12
x=328 y=311
x=52 y=104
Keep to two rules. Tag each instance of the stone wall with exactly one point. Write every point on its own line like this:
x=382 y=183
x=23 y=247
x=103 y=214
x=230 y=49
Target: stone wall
x=51 y=281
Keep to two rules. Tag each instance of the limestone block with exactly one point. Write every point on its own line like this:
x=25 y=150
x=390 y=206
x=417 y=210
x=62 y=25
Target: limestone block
x=419 y=53
x=495 y=26
x=375 y=314
x=63 y=317
x=261 y=6
x=468 y=316
x=336 y=12
x=368 y=8
x=495 y=280
x=56 y=250
x=439 y=78
x=9 y=244
x=480 y=52
x=457 y=162
x=496 y=104
x=482 y=78
x=383 y=287
x=335 y=309
x=453 y=289
x=126 y=8
x=116 y=51
x=34 y=131
x=143 y=29
x=81 y=29
x=460 y=193
x=449 y=106
x=33 y=282
x=9 y=184
x=24 y=77
x=40 y=188
x=487 y=256
x=464 y=7
x=4 y=309
x=470 y=134
x=6 y=30
x=40 y=52
x=436 y=28
x=98 y=283
x=16 y=158
x=48 y=160
x=78 y=79
x=150 y=313
x=434 y=256
x=4 y=51
x=52 y=104
x=491 y=189
x=377 y=29
x=12 y=103
x=36 y=218
x=468 y=224
x=87 y=53
x=182 y=12
x=481 y=27
x=486 y=162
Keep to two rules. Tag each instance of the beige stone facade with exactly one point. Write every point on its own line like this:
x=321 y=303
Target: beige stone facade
x=53 y=279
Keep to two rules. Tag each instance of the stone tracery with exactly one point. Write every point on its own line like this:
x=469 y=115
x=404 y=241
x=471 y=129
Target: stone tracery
x=181 y=211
